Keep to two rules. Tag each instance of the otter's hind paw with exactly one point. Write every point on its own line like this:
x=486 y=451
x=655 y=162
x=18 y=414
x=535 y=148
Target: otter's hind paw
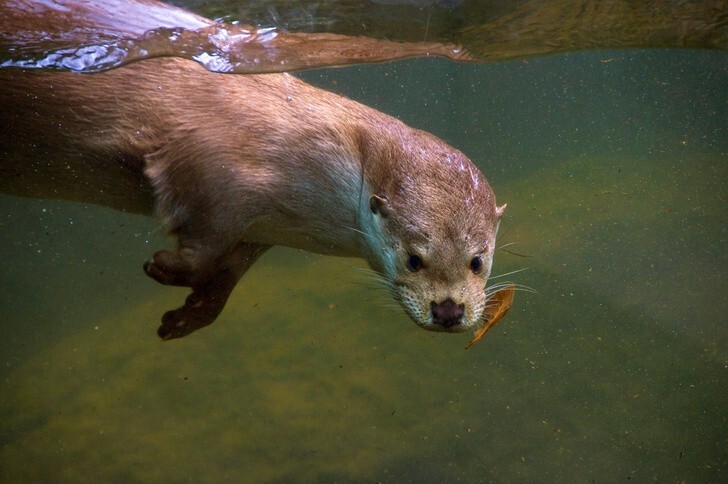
x=200 y=308
x=199 y=311
x=210 y=288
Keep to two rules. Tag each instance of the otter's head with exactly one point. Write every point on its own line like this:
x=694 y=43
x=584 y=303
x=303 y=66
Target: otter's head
x=433 y=228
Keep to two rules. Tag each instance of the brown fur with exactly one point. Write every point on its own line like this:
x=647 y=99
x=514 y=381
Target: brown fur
x=236 y=164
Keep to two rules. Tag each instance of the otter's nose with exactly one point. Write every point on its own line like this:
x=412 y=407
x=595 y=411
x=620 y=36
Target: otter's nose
x=447 y=313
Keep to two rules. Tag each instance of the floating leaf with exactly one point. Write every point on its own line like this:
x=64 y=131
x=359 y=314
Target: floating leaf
x=498 y=305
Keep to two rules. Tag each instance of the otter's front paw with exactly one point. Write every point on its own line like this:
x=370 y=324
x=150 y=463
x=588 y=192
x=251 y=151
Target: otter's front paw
x=169 y=268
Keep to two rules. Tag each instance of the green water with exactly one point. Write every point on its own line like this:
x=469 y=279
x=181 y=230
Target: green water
x=614 y=168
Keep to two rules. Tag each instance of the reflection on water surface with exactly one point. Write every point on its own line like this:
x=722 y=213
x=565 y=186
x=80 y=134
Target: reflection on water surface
x=275 y=35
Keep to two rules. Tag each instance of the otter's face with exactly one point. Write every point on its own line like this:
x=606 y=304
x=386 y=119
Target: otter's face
x=437 y=269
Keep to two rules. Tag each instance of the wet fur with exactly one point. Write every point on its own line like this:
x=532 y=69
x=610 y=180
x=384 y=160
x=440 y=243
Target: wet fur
x=236 y=164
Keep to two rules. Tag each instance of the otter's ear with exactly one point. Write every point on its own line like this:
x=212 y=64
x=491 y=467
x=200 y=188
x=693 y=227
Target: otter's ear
x=499 y=210
x=379 y=205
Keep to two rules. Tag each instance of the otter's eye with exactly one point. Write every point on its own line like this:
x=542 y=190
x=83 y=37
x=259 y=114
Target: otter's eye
x=476 y=264
x=414 y=263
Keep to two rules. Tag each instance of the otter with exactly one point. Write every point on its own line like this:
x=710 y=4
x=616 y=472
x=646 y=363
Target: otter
x=235 y=164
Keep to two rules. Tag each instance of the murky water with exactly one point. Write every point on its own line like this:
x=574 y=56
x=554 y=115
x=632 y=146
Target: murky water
x=614 y=167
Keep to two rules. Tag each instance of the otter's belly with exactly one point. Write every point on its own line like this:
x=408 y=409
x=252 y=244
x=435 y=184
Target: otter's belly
x=313 y=235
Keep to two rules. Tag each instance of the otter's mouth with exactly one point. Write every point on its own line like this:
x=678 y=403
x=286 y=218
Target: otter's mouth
x=445 y=316
x=455 y=328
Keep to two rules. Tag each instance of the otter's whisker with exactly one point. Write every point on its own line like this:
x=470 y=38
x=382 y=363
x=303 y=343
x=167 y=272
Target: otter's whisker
x=524 y=288
x=388 y=305
x=380 y=299
x=377 y=286
x=373 y=280
x=505 y=245
x=367 y=276
x=509 y=273
x=519 y=287
x=495 y=287
x=361 y=232
x=503 y=248
x=366 y=271
x=369 y=279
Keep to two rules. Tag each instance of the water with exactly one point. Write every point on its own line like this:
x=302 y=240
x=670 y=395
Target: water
x=613 y=165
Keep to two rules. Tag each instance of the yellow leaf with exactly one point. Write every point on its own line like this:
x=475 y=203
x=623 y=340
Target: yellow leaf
x=498 y=305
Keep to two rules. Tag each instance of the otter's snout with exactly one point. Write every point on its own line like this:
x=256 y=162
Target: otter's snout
x=447 y=313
